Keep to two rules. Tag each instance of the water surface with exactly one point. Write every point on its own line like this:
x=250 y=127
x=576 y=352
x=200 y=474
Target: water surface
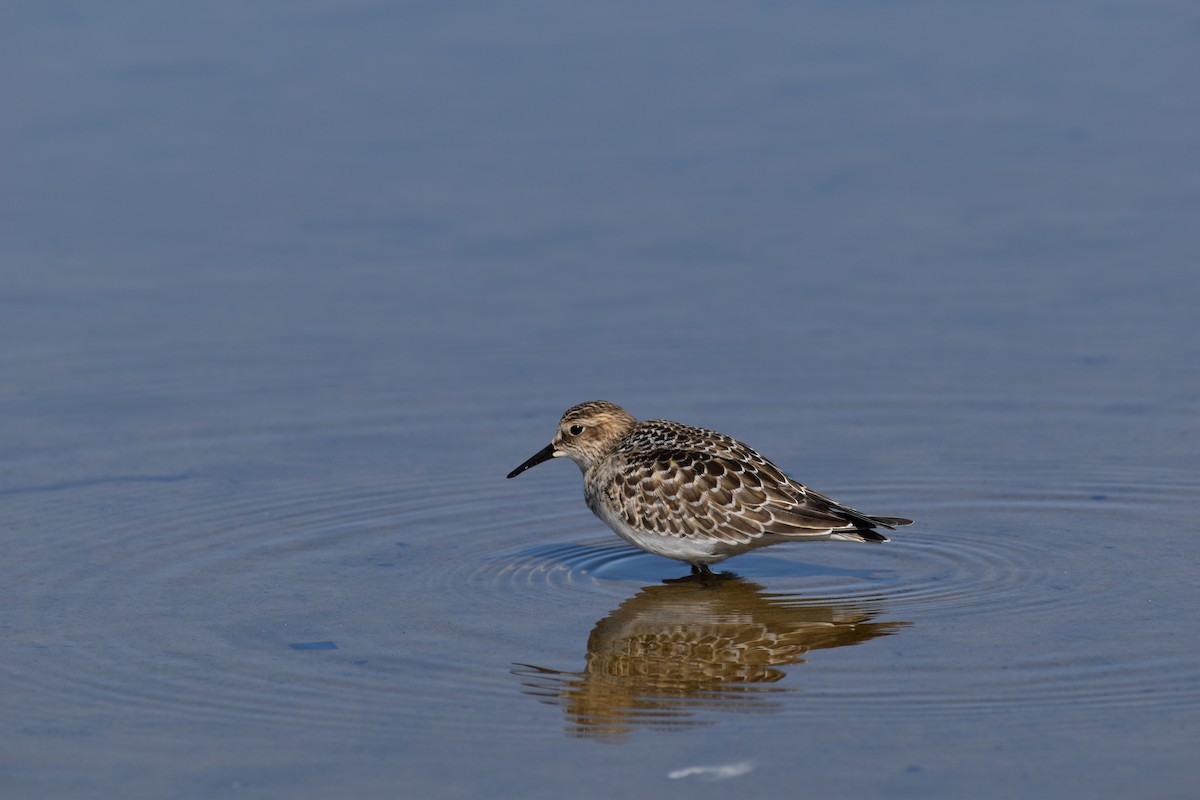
x=287 y=291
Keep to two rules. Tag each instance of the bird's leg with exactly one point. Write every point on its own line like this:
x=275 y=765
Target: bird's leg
x=702 y=570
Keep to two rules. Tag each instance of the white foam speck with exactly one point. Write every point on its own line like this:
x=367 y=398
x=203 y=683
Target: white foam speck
x=718 y=772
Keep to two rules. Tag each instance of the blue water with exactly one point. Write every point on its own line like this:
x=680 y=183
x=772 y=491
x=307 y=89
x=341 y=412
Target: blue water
x=287 y=289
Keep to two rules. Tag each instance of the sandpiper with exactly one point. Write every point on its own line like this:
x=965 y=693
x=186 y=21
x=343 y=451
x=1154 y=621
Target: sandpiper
x=692 y=494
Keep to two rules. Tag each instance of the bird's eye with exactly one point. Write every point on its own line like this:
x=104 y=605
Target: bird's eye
x=575 y=430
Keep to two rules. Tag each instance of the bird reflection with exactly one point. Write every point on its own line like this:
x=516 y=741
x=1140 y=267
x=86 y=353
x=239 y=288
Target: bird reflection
x=696 y=644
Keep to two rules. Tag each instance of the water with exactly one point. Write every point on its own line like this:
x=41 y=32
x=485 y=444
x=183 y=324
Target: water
x=288 y=289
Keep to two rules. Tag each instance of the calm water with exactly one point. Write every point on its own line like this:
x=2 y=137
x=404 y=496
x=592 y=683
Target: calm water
x=288 y=288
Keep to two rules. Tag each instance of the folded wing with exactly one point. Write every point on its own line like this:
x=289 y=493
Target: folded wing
x=736 y=498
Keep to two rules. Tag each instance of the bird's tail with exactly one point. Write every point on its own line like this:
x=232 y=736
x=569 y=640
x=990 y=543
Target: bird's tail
x=864 y=527
x=859 y=535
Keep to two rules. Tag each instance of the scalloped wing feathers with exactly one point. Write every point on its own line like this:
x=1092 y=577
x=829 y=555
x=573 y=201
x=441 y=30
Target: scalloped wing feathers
x=683 y=481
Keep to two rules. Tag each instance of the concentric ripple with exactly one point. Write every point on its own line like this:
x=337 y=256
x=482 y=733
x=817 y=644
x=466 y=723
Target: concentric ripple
x=367 y=603
x=198 y=609
x=971 y=571
x=983 y=557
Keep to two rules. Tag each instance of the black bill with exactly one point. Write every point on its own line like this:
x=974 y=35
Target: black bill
x=545 y=454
